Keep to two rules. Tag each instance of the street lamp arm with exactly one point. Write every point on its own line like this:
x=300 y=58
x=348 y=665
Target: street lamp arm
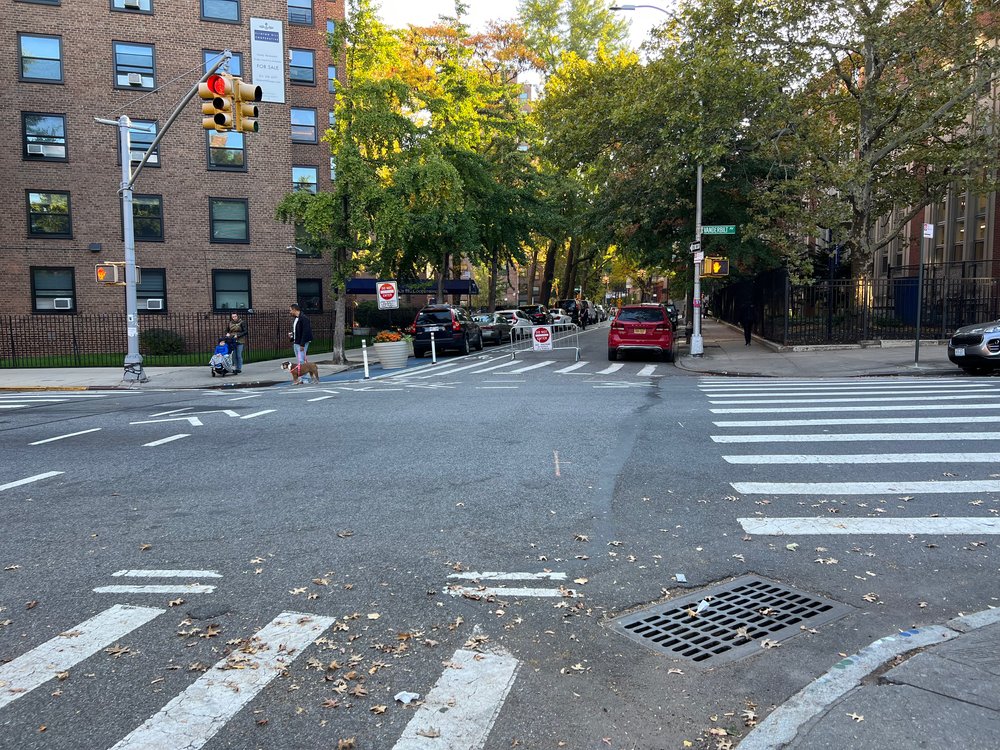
x=630 y=6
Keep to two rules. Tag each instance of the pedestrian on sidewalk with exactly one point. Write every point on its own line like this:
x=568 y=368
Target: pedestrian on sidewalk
x=301 y=333
x=237 y=333
x=748 y=314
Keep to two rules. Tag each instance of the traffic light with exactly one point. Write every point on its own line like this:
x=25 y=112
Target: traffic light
x=716 y=266
x=106 y=273
x=246 y=110
x=217 y=102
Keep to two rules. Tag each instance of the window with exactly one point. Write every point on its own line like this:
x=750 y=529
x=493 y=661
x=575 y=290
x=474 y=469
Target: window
x=141 y=137
x=300 y=12
x=333 y=170
x=41 y=2
x=41 y=58
x=133 y=6
x=302 y=66
x=305 y=179
x=226 y=151
x=151 y=291
x=331 y=26
x=333 y=118
x=49 y=215
x=304 y=247
x=309 y=293
x=134 y=67
x=53 y=290
x=303 y=125
x=220 y=10
x=331 y=78
x=940 y=215
x=147 y=217
x=230 y=221
x=230 y=290
x=980 y=224
x=212 y=56
x=44 y=136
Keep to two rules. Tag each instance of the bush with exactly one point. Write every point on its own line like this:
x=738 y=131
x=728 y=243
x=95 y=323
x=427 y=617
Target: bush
x=160 y=341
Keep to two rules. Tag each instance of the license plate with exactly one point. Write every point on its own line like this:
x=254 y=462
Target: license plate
x=640 y=330
x=434 y=328
x=960 y=351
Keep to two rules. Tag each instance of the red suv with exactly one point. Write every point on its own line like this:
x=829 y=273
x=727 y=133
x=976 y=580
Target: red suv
x=642 y=327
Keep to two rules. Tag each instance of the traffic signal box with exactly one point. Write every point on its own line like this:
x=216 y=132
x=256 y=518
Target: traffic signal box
x=716 y=267
x=246 y=110
x=106 y=273
x=217 y=94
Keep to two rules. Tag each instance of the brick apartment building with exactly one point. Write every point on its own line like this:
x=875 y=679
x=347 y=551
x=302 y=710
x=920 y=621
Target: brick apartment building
x=206 y=236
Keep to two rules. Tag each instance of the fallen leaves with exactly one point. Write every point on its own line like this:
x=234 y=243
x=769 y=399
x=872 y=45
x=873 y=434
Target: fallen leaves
x=175 y=602
x=871 y=596
x=31 y=605
x=145 y=547
x=857 y=717
x=429 y=732
x=345 y=744
x=13 y=567
x=767 y=643
x=117 y=651
x=378 y=710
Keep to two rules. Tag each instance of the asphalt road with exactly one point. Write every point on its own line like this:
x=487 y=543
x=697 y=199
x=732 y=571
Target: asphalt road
x=320 y=547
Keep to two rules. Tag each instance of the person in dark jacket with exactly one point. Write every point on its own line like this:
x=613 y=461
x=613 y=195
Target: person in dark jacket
x=236 y=332
x=301 y=333
x=747 y=316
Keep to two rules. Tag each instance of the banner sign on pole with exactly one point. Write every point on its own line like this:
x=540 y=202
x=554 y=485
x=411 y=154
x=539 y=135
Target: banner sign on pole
x=267 y=58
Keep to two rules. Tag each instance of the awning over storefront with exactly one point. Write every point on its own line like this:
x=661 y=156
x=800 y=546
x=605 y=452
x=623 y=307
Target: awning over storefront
x=416 y=286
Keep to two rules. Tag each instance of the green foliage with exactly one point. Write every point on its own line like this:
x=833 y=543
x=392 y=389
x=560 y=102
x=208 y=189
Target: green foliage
x=161 y=342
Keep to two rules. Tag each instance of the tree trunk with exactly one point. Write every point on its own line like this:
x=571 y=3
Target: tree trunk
x=442 y=272
x=569 y=290
x=494 y=270
x=338 y=287
x=532 y=272
x=548 y=271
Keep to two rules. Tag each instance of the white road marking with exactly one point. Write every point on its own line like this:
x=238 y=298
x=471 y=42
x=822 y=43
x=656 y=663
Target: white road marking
x=711 y=383
x=535 y=366
x=451 y=370
x=508 y=363
x=495 y=576
x=164 y=441
x=931 y=395
x=13 y=406
x=782 y=390
x=36 y=667
x=867 y=458
x=505 y=592
x=63 y=437
x=257 y=414
x=865 y=488
x=647 y=370
x=944 y=526
x=244 y=398
x=855 y=420
x=610 y=369
x=172 y=411
x=168 y=573
x=857 y=436
x=840 y=408
x=154 y=588
x=193 y=421
x=463 y=704
x=497 y=387
x=192 y=718
x=29 y=480
x=576 y=366
x=318 y=398
x=851 y=400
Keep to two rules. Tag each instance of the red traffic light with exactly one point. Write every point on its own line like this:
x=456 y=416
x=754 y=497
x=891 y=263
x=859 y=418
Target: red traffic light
x=216 y=84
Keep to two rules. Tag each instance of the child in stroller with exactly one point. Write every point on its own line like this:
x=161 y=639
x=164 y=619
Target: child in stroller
x=222 y=358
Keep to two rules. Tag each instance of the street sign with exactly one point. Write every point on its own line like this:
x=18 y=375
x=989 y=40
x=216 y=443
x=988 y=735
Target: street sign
x=719 y=229
x=928 y=231
x=541 y=338
x=388 y=295
x=694 y=247
x=699 y=256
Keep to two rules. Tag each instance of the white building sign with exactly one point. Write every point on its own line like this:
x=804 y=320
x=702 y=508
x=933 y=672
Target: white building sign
x=267 y=57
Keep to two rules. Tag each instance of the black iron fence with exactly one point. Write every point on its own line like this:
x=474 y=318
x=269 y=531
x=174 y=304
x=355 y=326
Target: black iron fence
x=847 y=311
x=164 y=339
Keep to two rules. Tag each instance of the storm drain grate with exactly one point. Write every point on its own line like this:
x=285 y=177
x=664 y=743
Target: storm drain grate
x=766 y=609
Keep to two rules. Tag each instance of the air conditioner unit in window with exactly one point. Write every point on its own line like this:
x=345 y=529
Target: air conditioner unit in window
x=62 y=303
x=135 y=79
x=154 y=304
x=134 y=4
x=36 y=148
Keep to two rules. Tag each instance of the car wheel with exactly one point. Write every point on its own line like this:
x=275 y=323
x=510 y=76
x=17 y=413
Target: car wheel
x=479 y=343
x=465 y=346
x=667 y=355
x=612 y=354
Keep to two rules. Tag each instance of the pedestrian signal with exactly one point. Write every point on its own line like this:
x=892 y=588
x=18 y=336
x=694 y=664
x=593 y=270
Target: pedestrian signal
x=106 y=273
x=716 y=267
x=217 y=93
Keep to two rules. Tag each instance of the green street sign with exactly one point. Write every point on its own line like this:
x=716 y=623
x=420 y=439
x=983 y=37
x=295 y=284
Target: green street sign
x=719 y=229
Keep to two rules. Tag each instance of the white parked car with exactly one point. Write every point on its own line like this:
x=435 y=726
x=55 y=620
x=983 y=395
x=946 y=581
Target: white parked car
x=520 y=323
x=560 y=317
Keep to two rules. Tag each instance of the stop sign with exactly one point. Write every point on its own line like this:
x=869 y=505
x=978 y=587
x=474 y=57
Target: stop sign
x=386 y=291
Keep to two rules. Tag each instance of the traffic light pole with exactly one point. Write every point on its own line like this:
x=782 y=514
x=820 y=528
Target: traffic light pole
x=697 y=343
x=133 y=372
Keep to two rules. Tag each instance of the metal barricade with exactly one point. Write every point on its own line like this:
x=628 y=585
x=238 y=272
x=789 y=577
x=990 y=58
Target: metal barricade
x=544 y=339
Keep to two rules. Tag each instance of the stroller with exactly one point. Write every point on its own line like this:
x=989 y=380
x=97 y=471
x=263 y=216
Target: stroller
x=222 y=358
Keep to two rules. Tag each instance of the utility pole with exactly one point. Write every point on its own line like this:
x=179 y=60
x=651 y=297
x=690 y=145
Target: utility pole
x=924 y=251
x=697 y=343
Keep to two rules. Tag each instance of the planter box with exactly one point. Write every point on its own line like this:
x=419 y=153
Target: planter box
x=392 y=355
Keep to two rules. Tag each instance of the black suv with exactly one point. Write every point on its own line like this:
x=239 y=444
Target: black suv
x=538 y=314
x=452 y=328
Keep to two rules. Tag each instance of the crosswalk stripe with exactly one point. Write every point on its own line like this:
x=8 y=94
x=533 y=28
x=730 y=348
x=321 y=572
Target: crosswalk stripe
x=856 y=437
x=531 y=367
x=865 y=458
x=796 y=526
x=157 y=588
x=852 y=420
x=459 y=711
x=647 y=370
x=496 y=576
x=63 y=437
x=610 y=369
x=508 y=363
x=450 y=369
x=146 y=573
x=164 y=441
x=850 y=400
x=29 y=480
x=820 y=385
x=42 y=663
x=512 y=592
x=852 y=394
x=572 y=367
x=866 y=408
x=13 y=406
x=193 y=717
x=865 y=488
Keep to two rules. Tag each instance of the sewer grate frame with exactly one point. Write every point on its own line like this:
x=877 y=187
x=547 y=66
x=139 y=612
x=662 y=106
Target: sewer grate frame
x=767 y=608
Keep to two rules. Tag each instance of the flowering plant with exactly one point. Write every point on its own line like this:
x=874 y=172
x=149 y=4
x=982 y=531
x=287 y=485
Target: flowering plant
x=385 y=337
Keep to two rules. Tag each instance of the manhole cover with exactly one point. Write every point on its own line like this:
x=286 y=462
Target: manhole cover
x=765 y=609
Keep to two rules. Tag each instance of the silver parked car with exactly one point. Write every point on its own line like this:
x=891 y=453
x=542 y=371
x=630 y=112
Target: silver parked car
x=976 y=348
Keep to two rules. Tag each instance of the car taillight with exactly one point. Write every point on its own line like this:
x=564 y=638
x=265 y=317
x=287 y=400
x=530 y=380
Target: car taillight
x=663 y=327
x=616 y=326
x=455 y=325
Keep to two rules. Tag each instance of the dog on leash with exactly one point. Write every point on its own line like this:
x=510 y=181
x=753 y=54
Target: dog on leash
x=297 y=370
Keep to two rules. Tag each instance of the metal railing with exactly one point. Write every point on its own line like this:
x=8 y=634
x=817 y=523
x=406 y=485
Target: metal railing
x=561 y=337
x=164 y=339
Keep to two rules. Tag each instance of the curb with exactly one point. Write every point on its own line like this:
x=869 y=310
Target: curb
x=782 y=725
